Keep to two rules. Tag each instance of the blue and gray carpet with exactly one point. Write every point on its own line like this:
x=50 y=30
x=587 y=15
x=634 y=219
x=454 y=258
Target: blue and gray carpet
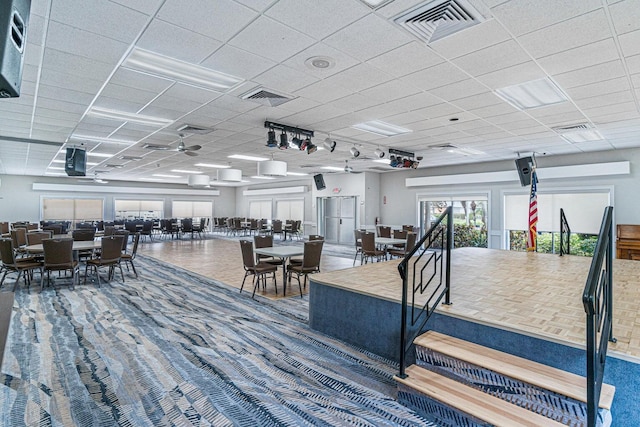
x=176 y=349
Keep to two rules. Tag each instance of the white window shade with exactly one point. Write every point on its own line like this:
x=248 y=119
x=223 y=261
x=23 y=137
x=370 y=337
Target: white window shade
x=260 y=209
x=151 y=205
x=57 y=209
x=290 y=209
x=202 y=209
x=182 y=209
x=583 y=211
x=88 y=209
x=127 y=205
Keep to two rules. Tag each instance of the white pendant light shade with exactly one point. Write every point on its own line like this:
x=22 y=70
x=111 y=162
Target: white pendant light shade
x=272 y=168
x=230 y=175
x=199 y=180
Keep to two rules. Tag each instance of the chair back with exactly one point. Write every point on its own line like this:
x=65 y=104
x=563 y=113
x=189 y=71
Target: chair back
x=36 y=237
x=6 y=252
x=57 y=252
x=187 y=225
x=109 y=230
x=411 y=241
x=276 y=226
x=83 y=234
x=400 y=234
x=358 y=237
x=384 y=231
x=4 y=227
x=124 y=233
x=264 y=241
x=134 y=250
x=147 y=226
x=246 y=246
x=368 y=241
x=315 y=237
x=111 y=248
x=407 y=227
x=54 y=228
x=312 y=254
x=19 y=237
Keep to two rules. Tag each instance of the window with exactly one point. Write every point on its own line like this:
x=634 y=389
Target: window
x=129 y=210
x=260 y=209
x=192 y=209
x=470 y=217
x=290 y=209
x=58 y=209
x=583 y=210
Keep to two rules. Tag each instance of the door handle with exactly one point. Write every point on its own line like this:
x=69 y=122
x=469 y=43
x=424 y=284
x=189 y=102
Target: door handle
x=340 y=221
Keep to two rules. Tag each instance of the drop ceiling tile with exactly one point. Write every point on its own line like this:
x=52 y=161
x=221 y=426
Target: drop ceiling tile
x=597 y=89
x=480 y=100
x=148 y=7
x=580 y=57
x=284 y=79
x=459 y=90
x=237 y=62
x=324 y=91
x=579 y=31
x=369 y=37
x=593 y=74
x=406 y=59
x=107 y=19
x=191 y=93
x=630 y=43
x=633 y=64
x=441 y=110
x=271 y=39
x=127 y=93
x=593 y=146
x=218 y=19
x=517 y=74
x=354 y=78
x=69 y=107
x=436 y=76
x=493 y=58
x=341 y=60
x=72 y=40
x=623 y=107
x=478 y=37
x=390 y=91
x=494 y=110
x=625 y=16
x=354 y=102
x=176 y=42
x=75 y=65
x=317 y=19
x=522 y=16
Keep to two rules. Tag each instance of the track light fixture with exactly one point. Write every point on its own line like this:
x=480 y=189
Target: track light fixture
x=329 y=144
x=403 y=159
x=378 y=153
x=297 y=141
x=271 y=139
x=354 y=152
x=284 y=143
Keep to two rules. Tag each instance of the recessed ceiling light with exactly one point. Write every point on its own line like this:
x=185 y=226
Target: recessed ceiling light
x=296 y=174
x=262 y=177
x=100 y=139
x=320 y=62
x=333 y=168
x=385 y=161
x=152 y=179
x=162 y=175
x=250 y=158
x=124 y=116
x=532 y=94
x=55 y=173
x=157 y=65
x=212 y=165
x=103 y=155
x=583 y=136
x=55 y=168
x=381 y=128
x=184 y=171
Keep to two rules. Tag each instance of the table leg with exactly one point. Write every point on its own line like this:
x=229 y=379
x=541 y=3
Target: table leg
x=284 y=277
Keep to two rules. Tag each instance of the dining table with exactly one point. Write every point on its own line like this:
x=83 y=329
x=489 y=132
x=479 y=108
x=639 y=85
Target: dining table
x=283 y=253
x=81 y=245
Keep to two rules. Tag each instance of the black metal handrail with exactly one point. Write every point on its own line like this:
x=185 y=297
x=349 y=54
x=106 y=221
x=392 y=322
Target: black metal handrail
x=565 y=234
x=597 y=299
x=434 y=251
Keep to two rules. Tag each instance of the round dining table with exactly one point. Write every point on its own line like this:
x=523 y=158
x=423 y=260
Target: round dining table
x=81 y=245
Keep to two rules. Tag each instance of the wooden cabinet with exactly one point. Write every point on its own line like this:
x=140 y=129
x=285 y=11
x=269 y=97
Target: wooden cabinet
x=628 y=241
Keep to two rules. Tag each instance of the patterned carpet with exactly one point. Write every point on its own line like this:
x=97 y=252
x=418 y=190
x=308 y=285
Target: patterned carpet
x=177 y=349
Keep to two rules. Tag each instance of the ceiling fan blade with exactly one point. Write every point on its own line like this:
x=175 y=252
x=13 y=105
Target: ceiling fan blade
x=190 y=153
x=192 y=148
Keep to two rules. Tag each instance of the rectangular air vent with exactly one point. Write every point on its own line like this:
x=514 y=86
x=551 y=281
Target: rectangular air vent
x=438 y=19
x=114 y=166
x=200 y=130
x=131 y=158
x=572 y=128
x=266 y=97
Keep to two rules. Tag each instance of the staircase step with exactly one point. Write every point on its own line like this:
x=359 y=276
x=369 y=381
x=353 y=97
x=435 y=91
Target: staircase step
x=529 y=372
x=475 y=404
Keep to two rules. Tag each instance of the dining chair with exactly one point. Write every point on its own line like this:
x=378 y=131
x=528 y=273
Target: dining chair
x=84 y=235
x=128 y=258
x=399 y=234
x=357 y=234
x=19 y=239
x=11 y=263
x=383 y=231
x=257 y=270
x=265 y=241
x=58 y=256
x=310 y=262
x=276 y=227
x=110 y=254
x=369 y=250
x=408 y=247
x=312 y=237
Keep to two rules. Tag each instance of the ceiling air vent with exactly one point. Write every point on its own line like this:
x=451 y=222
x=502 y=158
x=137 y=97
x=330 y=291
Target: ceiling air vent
x=200 y=130
x=438 y=19
x=265 y=97
x=131 y=158
x=572 y=128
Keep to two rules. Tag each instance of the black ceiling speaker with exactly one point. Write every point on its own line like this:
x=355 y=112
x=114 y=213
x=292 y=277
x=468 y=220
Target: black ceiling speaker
x=525 y=168
x=75 y=163
x=319 y=180
x=14 y=20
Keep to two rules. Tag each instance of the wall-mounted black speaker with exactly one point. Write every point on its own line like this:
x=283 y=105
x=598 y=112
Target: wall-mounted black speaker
x=525 y=168
x=319 y=180
x=75 y=163
x=14 y=19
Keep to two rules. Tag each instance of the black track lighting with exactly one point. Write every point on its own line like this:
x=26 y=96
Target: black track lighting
x=271 y=139
x=284 y=143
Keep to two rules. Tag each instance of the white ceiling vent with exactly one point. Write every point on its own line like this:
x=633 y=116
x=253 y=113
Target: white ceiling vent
x=438 y=19
x=200 y=130
x=266 y=97
x=572 y=128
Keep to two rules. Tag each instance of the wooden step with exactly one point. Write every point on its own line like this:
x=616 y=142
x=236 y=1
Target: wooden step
x=530 y=372
x=470 y=401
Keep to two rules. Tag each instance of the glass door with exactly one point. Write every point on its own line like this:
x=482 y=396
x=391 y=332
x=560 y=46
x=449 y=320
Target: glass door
x=338 y=219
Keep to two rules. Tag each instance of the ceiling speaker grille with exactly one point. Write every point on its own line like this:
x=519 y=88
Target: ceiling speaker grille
x=438 y=19
x=266 y=97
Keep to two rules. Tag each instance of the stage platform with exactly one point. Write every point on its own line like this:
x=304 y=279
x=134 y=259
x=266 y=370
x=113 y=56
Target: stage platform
x=527 y=304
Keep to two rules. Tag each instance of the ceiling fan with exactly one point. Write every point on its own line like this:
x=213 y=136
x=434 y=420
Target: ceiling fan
x=348 y=168
x=181 y=148
x=95 y=178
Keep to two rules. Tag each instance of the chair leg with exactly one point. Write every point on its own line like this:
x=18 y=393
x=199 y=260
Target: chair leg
x=121 y=272
x=15 y=285
x=133 y=267
x=246 y=273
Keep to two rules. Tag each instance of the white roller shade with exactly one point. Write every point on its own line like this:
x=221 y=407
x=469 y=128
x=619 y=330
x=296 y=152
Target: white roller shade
x=88 y=209
x=260 y=209
x=151 y=205
x=182 y=209
x=202 y=209
x=57 y=209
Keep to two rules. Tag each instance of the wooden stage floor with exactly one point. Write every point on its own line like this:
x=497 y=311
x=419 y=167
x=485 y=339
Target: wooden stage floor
x=534 y=294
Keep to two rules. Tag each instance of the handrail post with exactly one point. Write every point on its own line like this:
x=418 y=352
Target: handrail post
x=403 y=326
x=447 y=298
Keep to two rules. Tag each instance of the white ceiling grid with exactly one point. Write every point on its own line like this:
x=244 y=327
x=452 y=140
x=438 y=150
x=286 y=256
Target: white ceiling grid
x=378 y=71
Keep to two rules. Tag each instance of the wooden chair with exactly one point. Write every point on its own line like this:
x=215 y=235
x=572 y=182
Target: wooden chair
x=84 y=235
x=310 y=262
x=369 y=250
x=11 y=263
x=399 y=234
x=19 y=239
x=358 y=236
x=312 y=237
x=383 y=231
x=276 y=227
x=58 y=256
x=258 y=270
x=110 y=254
x=128 y=258
x=408 y=247
x=265 y=241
